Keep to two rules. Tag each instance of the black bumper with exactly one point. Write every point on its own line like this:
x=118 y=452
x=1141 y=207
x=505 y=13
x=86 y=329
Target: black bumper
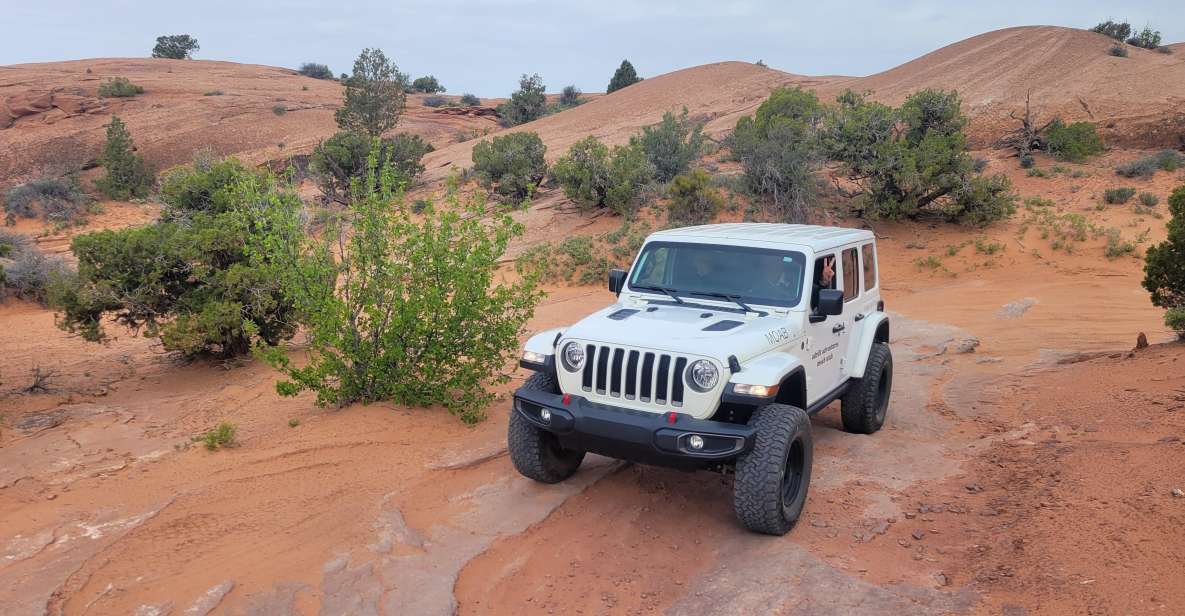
x=638 y=436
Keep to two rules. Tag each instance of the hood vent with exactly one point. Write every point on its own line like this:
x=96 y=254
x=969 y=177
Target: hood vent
x=623 y=314
x=722 y=326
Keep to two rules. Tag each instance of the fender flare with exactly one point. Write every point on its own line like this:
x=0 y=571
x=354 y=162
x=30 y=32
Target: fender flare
x=783 y=369
x=875 y=329
x=545 y=341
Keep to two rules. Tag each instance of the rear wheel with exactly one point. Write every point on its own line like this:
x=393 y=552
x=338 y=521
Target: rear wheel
x=535 y=452
x=864 y=407
x=773 y=477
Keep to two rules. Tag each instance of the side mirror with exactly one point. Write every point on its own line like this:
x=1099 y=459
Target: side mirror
x=830 y=302
x=616 y=281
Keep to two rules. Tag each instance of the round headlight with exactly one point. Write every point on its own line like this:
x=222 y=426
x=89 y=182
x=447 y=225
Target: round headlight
x=702 y=375
x=573 y=356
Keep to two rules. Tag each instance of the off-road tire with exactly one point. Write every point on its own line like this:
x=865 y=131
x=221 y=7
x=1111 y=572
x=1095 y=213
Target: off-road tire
x=773 y=477
x=536 y=453
x=866 y=403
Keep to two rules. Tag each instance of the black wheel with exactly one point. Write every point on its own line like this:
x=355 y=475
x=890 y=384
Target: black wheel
x=536 y=453
x=864 y=407
x=773 y=477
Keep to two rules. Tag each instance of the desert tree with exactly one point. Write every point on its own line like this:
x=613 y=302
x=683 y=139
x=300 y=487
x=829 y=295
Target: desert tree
x=778 y=148
x=625 y=75
x=671 y=145
x=375 y=95
x=315 y=70
x=175 y=47
x=1164 y=266
x=127 y=176
x=526 y=104
x=427 y=85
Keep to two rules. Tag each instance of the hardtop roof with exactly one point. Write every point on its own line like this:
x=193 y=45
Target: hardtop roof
x=814 y=236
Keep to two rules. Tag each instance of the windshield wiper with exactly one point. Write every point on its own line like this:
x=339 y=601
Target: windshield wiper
x=736 y=299
x=670 y=292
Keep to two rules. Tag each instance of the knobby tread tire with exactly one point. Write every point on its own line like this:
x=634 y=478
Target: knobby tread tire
x=535 y=452
x=757 y=491
x=860 y=406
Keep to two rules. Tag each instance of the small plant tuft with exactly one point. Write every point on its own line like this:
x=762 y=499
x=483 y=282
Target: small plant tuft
x=279 y=110
x=435 y=101
x=219 y=437
x=1119 y=50
x=694 y=201
x=119 y=87
x=470 y=100
x=1114 y=196
x=1148 y=199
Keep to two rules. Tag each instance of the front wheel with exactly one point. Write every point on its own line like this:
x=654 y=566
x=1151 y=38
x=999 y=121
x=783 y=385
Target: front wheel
x=864 y=407
x=773 y=477
x=535 y=452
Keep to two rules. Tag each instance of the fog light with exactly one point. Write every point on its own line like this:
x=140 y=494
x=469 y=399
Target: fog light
x=695 y=441
x=545 y=415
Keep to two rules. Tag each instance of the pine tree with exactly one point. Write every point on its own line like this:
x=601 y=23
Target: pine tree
x=127 y=175
x=625 y=76
x=375 y=95
x=1164 y=266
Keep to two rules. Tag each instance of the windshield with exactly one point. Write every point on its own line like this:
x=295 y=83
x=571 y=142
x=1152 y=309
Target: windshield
x=752 y=275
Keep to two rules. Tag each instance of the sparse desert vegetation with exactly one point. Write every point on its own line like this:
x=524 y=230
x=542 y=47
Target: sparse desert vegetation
x=315 y=70
x=526 y=104
x=512 y=164
x=119 y=87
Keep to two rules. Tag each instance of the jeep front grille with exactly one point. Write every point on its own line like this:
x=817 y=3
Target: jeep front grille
x=635 y=375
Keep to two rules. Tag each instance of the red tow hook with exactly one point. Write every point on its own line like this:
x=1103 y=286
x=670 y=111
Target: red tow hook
x=567 y=399
x=672 y=417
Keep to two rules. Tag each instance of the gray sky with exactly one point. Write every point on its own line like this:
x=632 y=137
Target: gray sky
x=482 y=46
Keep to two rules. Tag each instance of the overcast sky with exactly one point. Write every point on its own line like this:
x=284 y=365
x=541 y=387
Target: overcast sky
x=482 y=46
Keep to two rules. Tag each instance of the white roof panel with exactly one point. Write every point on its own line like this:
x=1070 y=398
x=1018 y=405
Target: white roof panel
x=814 y=236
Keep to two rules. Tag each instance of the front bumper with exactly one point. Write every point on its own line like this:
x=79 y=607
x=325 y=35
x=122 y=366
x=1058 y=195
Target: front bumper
x=638 y=436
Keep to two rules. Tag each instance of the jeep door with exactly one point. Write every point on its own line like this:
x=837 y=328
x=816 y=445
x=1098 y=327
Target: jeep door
x=863 y=304
x=827 y=348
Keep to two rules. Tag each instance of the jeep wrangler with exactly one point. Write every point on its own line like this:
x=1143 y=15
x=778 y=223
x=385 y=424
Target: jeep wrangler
x=724 y=340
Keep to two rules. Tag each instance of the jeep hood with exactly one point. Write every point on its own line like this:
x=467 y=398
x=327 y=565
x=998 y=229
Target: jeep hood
x=693 y=330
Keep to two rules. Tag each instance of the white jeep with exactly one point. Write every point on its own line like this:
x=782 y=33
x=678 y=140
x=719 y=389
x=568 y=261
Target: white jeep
x=723 y=341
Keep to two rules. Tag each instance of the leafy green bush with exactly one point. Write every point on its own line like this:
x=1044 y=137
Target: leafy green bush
x=570 y=96
x=119 y=87
x=1116 y=30
x=341 y=160
x=513 y=164
x=693 y=199
x=188 y=283
x=777 y=148
x=435 y=101
x=671 y=145
x=592 y=176
x=375 y=95
x=1118 y=50
x=1164 y=265
x=208 y=186
x=1148 y=199
x=221 y=436
x=175 y=47
x=427 y=85
x=1118 y=195
x=439 y=326
x=1073 y=142
x=625 y=75
x=470 y=100
x=913 y=160
x=1166 y=160
x=526 y=104
x=54 y=199
x=314 y=70
x=127 y=175
x=1146 y=38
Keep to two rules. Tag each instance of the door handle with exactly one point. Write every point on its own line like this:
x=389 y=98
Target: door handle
x=837 y=329
x=858 y=317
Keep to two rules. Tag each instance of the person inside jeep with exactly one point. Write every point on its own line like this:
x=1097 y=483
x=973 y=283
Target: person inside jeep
x=824 y=279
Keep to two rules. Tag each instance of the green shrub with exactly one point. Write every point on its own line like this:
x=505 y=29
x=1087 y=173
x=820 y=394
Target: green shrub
x=427 y=85
x=1148 y=199
x=1073 y=142
x=1118 y=50
x=1026 y=161
x=1174 y=319
x=1165 y=160
x=126 y=174
x=570 y=96
x=671 y=145
x=528 y=103
x=315 y=70
x=119 y=87
x=694 y=201
x=279 y=109
x=1146 y=38
x=1118 y=195
x=188 y=283
x=470 y=100
x=1116 y=30
x=54 y=199
x=913 y=160
x=25 y=271
x=208 y=186
x=513 y=164
x=435 y=101
x=221 y=436
x=375 y=95
x=441 y=326
x=1117 y=246
x=175 y=47
x=1164 y=263
x=341 y=160
x=625 y=75
x=593 y=176
x=777 y=148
